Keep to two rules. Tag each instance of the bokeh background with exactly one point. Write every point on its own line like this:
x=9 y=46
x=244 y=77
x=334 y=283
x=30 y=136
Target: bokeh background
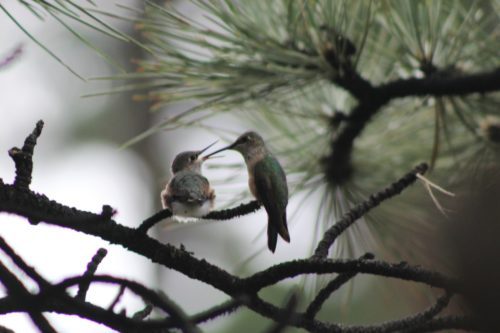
x=80 y=161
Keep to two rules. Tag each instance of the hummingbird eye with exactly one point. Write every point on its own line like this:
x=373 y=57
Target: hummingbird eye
x=192 y=158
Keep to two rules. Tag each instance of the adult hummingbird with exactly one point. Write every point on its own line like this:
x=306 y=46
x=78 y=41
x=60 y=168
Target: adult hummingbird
x=267 y=182
x=188 y=193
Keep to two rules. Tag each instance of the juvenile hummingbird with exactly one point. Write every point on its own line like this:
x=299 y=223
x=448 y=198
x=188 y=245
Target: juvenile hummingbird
x=267 y=182
x=188 y=193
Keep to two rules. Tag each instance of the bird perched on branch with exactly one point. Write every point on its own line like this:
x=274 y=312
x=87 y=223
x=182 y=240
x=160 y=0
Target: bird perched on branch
x=267 y=182
x=188 y=193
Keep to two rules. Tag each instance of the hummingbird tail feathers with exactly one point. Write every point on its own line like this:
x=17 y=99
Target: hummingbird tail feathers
x=273 y=229
x=272 y=236
x=283 y=229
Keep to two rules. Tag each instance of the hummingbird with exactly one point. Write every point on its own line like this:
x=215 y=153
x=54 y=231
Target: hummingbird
x=267 y=182
x=188 y=193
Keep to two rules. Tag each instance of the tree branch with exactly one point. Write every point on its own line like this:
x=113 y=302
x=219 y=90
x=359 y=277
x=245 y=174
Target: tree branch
x=89 y=272
x=20 y=200
x=448 y=323
x=66 y=305
x=218 y=310
x=361 y=209
x=23 y=158
x=117 y=298
x=287 y=316
x=337 y=164
x=221 y=215
x=17 y=290
x=443 y=85
x=178 y=316
x=330 y=288
x=19 y=262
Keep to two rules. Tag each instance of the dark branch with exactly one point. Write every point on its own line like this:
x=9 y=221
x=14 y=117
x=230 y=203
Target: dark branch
x=371 y=99
x=17 y=290
x=337 y=165
x=64 y=304
x=220 y=215
x=162 y=302
x=28 y=270
x=35 y=207
x=23 y=158
x=89 y=272
x=294 y=268
x=360 y=210
x=152 y=220
x=217 y=311
x=142 y=314
x=295 y=319
x=117 y=298
x=355 y=84
x=286 y=317
x=227 y=214
x=330 y=288
x=410 y=322
x=31 y=205
x=443 y=85
x=447 y=323
x=420 y=318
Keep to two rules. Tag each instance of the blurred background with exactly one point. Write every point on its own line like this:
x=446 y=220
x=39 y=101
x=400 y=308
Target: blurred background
x=81 y=161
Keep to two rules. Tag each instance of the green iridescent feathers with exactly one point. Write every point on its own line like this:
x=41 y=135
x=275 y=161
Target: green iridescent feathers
x=270 y=182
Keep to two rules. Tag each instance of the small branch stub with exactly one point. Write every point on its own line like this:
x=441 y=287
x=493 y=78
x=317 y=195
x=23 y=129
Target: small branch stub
x=90 y=271
x=23 y=158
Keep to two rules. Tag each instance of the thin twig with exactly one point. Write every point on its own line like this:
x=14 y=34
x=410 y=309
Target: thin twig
x=361 y=209
x=90 y=271
x=28 y=270
x=220 y=215
x=147 y=294
x=63 y=304
x=154 y=219
x=142 y=314
x=287 y=316
x=330 y=288
x=420 y=318
x=227 y=214
x=18 y=290
x=117 y=298
x=217 y=311
x=23 y=158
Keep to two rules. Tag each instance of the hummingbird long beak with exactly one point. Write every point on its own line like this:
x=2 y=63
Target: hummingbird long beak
x=210 y=145
x=204 y=149
x=218 y=151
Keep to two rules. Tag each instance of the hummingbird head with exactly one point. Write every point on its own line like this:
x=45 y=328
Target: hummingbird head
x=248 y=144
x=190 y=160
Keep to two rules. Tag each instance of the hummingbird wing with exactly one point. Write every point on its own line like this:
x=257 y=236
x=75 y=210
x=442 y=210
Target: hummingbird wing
x=272 y=190
x=189 y=187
